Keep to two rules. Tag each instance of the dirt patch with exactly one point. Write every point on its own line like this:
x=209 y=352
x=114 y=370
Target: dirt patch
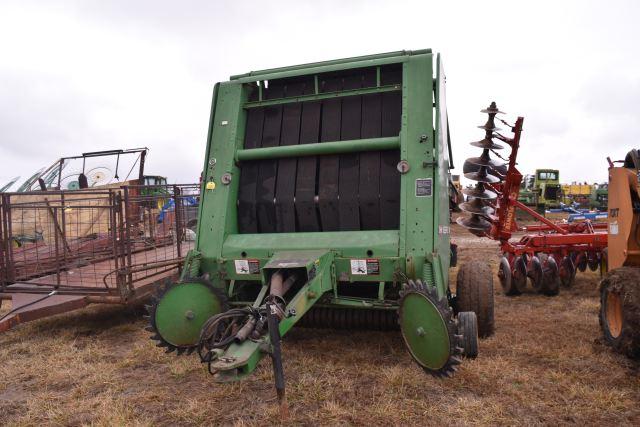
x=544 y=365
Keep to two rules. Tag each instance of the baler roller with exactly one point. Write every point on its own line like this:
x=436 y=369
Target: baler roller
x=350 y=318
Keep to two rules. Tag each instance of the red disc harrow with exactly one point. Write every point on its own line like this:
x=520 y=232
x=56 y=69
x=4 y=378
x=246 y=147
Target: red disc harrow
x=550 y=253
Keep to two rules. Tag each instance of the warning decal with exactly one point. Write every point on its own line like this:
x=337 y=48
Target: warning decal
x=369 y=267
x=424 y=187
x=247 y=266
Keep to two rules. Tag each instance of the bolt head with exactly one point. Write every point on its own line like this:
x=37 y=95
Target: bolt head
x=190 y=315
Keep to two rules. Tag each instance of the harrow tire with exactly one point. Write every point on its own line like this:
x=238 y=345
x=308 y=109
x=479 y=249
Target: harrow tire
x=620 y=310
x=506 y=278
x=468 y=328
x=474 y=292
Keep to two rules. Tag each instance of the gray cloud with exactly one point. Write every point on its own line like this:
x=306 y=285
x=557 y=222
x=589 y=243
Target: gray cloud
x=92 y=75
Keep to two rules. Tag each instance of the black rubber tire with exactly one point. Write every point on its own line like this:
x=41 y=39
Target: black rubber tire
x=474 y=292
x=624 y=283
x=468 y=328
x=551 y=276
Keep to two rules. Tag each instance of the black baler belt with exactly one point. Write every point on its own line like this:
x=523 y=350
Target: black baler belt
x=369 y=185
x=285 y=184
x=266 y=185
x=389 y=175
x=348 y=206
x=306 y=211
x=247 y=216
x=329 y=165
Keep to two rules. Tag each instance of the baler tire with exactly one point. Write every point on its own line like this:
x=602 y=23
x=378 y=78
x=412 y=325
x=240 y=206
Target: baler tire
x=468 y=328
x=474 y=292
x=620 y=310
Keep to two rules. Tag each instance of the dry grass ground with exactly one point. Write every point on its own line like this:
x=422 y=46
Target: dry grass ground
x=543 y=366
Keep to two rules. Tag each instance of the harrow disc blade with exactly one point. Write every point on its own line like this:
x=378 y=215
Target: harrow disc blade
x=482 y=175
x=480 y=192
x=475 y=223
x=477 y=206
x=487 y=143
x=492 y=109
x=490 y=127
x=498 y=171
x=485 y=160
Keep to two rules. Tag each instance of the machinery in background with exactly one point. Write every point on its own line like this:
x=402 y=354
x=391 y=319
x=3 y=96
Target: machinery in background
x=541 y=190
x=88 y=170
x=550 y=253
x=620 y=287
x=455 y=193
x=325 y=202
x=599 y=198
x=577 y=194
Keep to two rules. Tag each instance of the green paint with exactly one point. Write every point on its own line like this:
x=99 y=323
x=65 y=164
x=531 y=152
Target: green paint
x=421 y=239
x=424 y=331
x=183 y=310
x=324 y=95
x=334 y=147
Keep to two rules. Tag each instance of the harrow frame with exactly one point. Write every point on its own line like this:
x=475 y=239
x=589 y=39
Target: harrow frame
x=566 y=246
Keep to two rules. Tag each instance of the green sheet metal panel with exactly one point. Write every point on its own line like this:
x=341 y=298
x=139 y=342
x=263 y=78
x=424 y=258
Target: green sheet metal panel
x=423 y=202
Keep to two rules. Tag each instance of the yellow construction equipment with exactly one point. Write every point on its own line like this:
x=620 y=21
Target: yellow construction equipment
x=620 y=286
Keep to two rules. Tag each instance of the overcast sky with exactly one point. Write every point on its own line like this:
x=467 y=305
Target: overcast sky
x=81 y=76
